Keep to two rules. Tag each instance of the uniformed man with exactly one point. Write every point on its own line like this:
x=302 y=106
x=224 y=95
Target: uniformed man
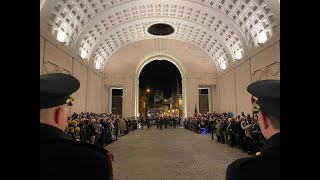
x=57 y=150
x=266 y=163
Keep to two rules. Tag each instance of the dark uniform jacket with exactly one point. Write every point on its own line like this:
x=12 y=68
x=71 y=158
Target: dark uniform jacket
x=62 y=158
x=264 y=166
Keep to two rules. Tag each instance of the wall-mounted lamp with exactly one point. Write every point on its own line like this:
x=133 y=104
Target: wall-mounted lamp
x=98 y=62
x=223 y=65
x=61 y=37
x=238 y=55
x=83 y=54
x=98 y=65
x=262 y=38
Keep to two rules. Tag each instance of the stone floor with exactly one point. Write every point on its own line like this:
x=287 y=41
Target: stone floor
x=153 y=154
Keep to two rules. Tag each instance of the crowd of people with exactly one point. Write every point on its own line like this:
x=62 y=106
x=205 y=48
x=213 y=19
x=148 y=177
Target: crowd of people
x=89 y=129
x=99 y=129
x=103 y=129
x=159 y=121
x=242 y=132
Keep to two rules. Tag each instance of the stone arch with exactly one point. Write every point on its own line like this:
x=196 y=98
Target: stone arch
x=161 y=56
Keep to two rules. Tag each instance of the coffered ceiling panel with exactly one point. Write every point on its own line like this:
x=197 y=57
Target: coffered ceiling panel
x=224 y=29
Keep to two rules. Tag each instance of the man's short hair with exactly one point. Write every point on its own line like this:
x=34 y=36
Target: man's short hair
x=275 y=122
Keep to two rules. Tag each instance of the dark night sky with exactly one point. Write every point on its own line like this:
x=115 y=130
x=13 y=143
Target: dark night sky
x=160 y=75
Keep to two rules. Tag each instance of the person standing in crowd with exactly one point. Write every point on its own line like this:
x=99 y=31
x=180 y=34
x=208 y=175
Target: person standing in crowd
x=174 y=121
x=83 y=132
x=161 y=123
x=239 y=132
x=116 y=128
x=231 y=131
x=91 y=131
x=247 y=127
x=256 y=137
x=158 y=122
x=141 y=123
x=266 y=164
x=166 y=122
x=56 y=146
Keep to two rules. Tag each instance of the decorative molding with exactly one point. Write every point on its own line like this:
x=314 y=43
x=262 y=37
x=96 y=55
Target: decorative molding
x=49 y=67
x=257 y=75
x=274 y=69
x=263 y=73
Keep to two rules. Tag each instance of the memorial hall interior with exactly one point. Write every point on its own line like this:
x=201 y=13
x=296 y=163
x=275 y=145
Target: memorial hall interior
x=220 y=45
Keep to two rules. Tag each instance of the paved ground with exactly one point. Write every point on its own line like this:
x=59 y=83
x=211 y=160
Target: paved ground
x=151 y=154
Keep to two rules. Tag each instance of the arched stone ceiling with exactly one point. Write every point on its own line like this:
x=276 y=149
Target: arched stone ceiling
x=218 y=27
x=122 y=36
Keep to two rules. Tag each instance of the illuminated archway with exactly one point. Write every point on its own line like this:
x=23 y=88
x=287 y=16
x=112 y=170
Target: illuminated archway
x=161 y=56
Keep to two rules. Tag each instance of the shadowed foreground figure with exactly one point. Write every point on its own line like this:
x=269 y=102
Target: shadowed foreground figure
x=61 y=157
x=266 y=164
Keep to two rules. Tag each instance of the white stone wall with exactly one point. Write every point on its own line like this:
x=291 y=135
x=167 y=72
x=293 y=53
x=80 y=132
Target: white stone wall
x=57 y=57
x=54 y=57
x=242 y=80
x=263 y=63
x=81 y=73
x=228 y=87
x=122 y=70
x=94 y=93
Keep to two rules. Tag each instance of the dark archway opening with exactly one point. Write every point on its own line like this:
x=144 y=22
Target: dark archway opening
x=160 y=90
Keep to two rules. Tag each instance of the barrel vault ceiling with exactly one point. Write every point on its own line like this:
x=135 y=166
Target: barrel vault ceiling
x=225 y=29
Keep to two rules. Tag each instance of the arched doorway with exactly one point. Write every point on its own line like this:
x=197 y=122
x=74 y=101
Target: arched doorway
x=167 y=57
x=159 y=90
